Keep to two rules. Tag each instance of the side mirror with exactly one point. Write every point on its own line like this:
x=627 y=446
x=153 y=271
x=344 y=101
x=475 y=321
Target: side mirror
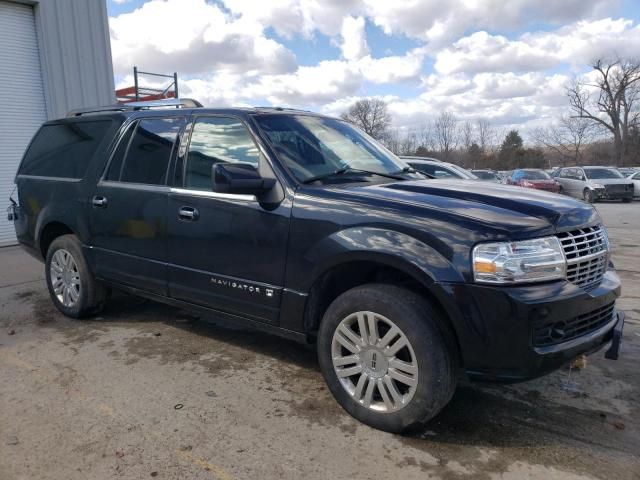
x=240 y=179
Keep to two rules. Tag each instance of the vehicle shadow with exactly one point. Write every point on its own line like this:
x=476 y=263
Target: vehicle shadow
x=480 y=415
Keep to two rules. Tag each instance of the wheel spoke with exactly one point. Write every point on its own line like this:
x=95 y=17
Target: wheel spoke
x=346 y=343
x=390 y=335
x=73 y=294
x=57 y=283
x=347 y=372
x=362 y=326
x=368 y=395
x=384 y=394
x=391 y=350
x=395 y=394
x=360 y=386
x=65 y=296
x=401 y=377
x=374 y=335
x=403 y=366
x=350 y=334
x=346 y=360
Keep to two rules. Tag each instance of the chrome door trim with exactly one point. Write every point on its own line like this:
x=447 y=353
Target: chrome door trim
x=220 y=196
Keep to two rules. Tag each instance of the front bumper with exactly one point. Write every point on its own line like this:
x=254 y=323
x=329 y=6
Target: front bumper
x=496 y=326
x=605 y=194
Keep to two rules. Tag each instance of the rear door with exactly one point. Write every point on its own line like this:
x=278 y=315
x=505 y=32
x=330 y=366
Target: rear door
x=226 y=251
x=129 y=206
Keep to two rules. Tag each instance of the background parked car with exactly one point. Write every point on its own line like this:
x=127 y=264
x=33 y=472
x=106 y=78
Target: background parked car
x=595 y=183
x=533 y=178
x=635 y=177
x=487 y=175
x=439 y=169
x=628 y=171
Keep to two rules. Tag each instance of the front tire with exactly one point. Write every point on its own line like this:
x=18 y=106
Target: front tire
x=72 y=286
x=588 y=196
x=386 y=358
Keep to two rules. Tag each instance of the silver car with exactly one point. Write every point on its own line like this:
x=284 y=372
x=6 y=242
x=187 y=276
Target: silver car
x=635 y=178
x=595 y=183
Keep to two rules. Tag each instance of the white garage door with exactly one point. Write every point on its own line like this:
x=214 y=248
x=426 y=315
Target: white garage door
x=22 y=107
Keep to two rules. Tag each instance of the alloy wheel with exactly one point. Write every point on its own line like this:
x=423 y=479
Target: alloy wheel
x=374 y=362
x=65 y=278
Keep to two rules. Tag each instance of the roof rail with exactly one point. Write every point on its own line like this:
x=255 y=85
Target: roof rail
x=134 y=106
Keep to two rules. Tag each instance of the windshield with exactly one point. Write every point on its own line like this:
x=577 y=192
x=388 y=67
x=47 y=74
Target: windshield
x=315 y=146
x=534 y=175
x=594 y=173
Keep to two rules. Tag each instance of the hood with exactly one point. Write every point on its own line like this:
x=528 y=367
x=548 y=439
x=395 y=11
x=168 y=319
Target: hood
x=610 y=181
x=517 y=210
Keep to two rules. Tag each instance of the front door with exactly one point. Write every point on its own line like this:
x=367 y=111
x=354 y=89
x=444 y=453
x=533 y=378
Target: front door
x=226 y=252
x=129 y=207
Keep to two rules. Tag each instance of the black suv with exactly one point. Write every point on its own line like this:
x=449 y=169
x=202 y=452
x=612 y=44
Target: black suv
x=302 y=225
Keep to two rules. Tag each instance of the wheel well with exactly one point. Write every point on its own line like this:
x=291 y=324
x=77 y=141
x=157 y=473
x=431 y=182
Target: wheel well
x=49 y=233
x=346 y=276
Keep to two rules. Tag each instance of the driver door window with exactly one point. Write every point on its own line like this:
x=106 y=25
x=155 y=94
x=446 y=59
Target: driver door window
x=217 y=140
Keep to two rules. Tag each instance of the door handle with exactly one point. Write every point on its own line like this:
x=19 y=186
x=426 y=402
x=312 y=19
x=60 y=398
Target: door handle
x=188 y=213
x=99 y=201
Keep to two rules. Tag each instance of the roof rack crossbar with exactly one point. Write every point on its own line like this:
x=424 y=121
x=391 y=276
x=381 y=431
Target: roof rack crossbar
x=134 y=106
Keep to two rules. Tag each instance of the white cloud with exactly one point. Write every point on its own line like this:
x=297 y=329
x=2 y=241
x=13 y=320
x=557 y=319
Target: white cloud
x=193 y=36
x=354 y=42
x=577 y=44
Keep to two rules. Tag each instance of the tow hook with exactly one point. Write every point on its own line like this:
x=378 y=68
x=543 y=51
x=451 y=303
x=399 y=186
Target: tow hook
x=616 y=340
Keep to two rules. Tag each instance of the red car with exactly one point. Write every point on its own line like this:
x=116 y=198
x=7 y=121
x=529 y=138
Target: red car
x=534 y=178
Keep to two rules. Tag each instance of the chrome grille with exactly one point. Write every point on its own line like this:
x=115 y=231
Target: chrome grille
x=563 y=331
x=587 y=253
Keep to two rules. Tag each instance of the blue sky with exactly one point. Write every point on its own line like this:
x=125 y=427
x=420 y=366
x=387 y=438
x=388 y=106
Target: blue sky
x=507 y=62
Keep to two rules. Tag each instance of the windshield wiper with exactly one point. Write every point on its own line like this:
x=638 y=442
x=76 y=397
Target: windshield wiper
x=343 y=170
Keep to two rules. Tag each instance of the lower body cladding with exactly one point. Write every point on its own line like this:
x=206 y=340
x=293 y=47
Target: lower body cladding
x=517 y=333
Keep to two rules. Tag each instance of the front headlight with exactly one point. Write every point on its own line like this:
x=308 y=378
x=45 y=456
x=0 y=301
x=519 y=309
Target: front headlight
x=536 y=260
x=597 y=185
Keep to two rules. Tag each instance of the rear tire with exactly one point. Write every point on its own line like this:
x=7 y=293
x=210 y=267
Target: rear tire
x=72 y=286
x=387 y=387
x=627 y=200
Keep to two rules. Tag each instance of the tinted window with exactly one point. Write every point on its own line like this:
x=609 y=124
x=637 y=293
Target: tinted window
x=636 y=176
x=149 y=151
x=602 y=173
x=215 y=140
x=115 y=166
x=535 y=175
x=64 y=150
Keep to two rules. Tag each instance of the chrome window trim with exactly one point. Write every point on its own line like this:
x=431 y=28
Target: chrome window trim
x=217 y=195
x=134 y=186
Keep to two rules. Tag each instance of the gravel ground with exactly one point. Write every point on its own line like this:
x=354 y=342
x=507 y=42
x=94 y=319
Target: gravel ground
x=146 y=390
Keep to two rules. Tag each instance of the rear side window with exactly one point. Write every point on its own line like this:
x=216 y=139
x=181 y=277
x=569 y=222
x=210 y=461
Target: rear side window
x=64 y=150
x=147 y=153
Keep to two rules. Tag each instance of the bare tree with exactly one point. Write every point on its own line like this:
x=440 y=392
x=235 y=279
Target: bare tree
x=371 y=115
x=445 y=132
x=611 y=100
x=486 y=135
x=467 y=135
x=567 y=138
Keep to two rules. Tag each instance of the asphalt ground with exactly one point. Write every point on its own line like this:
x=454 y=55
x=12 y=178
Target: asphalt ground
x=146 y=390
